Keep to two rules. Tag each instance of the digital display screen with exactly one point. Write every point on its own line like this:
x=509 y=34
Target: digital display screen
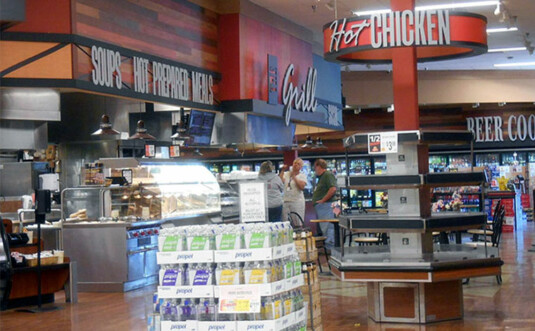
x=200 y=127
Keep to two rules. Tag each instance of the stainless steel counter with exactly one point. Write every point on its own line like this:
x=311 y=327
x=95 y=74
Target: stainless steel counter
x=112 y=257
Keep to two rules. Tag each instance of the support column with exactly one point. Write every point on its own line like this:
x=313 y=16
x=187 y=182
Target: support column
x=405 y=80
x=289 y=157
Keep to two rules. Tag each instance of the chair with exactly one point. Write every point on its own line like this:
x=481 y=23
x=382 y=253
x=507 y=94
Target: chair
x=495 y=234
x=320 y=244
x=296 y=221
x=488 y=230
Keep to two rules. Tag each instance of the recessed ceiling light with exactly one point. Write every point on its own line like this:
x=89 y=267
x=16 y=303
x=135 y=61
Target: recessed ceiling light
x=432 y=7
x=517 y=64
x=510 y=49
x=502 y=30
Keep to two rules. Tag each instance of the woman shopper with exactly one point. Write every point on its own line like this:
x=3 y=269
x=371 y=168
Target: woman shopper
x=294 y=184
x=275 y=189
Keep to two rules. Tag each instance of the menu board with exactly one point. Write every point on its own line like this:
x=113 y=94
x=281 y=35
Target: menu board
x=200 y=127
x=253 y=202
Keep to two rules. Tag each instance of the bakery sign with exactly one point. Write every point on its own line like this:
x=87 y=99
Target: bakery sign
x=152 y=77
x=493 y=129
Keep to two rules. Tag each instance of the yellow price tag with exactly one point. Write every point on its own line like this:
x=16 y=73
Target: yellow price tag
x=243 y=305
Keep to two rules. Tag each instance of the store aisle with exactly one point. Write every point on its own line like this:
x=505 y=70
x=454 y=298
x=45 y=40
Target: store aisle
x=488 y=306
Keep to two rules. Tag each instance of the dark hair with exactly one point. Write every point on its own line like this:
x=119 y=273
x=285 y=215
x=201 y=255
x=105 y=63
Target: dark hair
x=321 y=163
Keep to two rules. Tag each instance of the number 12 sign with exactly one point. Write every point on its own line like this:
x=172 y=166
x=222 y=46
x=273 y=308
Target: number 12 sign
x=382 y=142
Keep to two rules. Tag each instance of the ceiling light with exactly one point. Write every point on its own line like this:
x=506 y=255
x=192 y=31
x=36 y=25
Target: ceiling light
x=390 y=109
x=263 y=150
x=494 y=30
x=517 y=64
x=434 y=7
x=105 y=128
x=197 y=152
x=475 y=105
x=510 y=49
x=141 y=132
x=501 y=104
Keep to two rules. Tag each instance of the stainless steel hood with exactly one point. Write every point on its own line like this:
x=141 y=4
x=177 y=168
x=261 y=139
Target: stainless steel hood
x=30 y=104
x=247 y=129
x=24 y=113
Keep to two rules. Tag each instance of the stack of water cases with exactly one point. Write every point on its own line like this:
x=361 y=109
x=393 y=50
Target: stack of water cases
x=229 y=277
x=305 y=244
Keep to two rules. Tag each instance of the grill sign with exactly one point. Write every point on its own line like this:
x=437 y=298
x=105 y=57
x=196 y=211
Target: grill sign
x=304 y=100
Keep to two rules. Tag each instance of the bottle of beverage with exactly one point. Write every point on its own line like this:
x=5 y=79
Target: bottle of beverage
x=169 y=310
x=187 y=310
x=206 y=309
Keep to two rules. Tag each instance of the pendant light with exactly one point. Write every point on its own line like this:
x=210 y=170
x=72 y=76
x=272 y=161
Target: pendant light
x=319 y=144
x=182 y=127
x=308 y=143
x=141 y=132
x=105 y=128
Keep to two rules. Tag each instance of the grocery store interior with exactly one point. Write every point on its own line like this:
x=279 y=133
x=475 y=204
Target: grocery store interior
x=267 y=165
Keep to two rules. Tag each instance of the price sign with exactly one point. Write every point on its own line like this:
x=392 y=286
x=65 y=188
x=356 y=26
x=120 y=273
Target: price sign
x=239 y=299
x=174 y=151
x=382 y=142
x=150 y=150
x=253 y=204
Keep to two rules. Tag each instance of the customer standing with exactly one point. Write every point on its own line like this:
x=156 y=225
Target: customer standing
x=322 y=198
x=294 y=184
x=275 y=188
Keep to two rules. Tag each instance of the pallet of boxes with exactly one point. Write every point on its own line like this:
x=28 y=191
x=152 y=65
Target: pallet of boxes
x=308 y=254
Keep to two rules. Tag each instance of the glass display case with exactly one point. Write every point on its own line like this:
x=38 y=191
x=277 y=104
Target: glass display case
x=379 y=165
x=487 y=159
x=159 y=191
x=513 y=159
x=458 y=162
x=438 y=163
x=361 y=166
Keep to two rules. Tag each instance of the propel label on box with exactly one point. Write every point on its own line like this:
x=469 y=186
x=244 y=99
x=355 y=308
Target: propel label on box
x=228 y=241
x=257 y=240
x=170 y=278
x=199 y=243
x=170 y=244
x=202 y=277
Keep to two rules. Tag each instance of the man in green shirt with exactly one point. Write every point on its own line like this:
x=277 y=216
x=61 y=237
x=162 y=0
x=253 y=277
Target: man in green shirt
x=322 y=198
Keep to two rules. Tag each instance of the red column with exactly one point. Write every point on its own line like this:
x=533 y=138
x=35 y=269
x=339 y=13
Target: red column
x=405 y=80
x=289 y=157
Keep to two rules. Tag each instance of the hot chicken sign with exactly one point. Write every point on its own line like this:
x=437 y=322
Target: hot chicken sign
x=436 y=34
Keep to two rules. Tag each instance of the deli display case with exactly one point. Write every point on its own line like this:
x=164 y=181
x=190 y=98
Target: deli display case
x=112 y=231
